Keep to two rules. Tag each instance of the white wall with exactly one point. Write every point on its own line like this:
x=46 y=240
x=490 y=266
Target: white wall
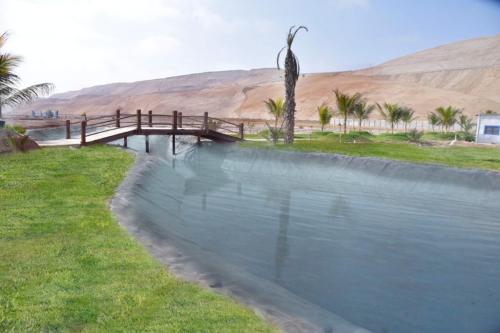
x=487 y=120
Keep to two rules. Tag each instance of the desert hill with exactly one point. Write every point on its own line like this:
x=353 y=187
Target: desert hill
x=464 y=74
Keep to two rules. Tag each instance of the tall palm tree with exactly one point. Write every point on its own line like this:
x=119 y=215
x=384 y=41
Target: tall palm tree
x=391 y=113
x=407 y=116
x=433 y=119
x=362 y=111
x=276 y=108
x=447 y=116
x=346 y=104
x=292 y=73
x=325 y=115
x=10 y=95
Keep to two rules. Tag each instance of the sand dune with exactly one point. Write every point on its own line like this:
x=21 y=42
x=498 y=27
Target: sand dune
x=464 y=74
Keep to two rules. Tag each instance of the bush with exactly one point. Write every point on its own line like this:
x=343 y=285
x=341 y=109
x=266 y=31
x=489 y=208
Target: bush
x=357 y=137
x=467 y=136
x=415 y=135
x=17 y=128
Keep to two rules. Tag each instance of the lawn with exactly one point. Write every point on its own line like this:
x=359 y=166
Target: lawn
x=67 y=266
x=392 y=146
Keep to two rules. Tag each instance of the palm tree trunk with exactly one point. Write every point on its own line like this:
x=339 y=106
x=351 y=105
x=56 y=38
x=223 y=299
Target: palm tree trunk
x=345 y=123
x=392 y=128
x=360 y=122
x=290 y=99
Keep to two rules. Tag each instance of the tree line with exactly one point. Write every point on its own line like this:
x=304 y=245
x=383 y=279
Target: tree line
x=355 y=107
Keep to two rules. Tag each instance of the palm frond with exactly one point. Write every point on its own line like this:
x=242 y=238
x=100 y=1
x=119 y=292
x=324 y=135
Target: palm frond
x=278 y=57
x=26 y=95
x=3 y=38
x=291 y=37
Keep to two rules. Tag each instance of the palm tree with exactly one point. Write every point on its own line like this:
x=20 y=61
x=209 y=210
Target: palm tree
x=407 y=116
x=292 y=73
x=346 y=104
x=362 y=111
x=447 y=116
x=325 y=115
x=276 y=108
x=391 y=113
x=433 y=119
x=466 y=124
x=10 y=95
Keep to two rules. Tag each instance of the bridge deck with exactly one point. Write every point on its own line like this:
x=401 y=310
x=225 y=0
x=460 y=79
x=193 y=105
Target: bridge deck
x=112 y=134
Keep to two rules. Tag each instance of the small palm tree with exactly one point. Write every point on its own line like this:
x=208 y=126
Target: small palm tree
x=325 y=115
x=346 y=105
x=10 y=95
x=447 y=116
x=362 y=111
x=391 y=113
x=434 y=120
x=407 y=116
x=292 y=73
x=276 y=108
x=466 y=124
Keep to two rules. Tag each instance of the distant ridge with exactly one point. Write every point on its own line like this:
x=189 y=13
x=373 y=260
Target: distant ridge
x=465 y=74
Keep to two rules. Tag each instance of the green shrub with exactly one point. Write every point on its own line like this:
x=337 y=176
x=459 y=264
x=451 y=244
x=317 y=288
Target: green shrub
x=469 y=137
x=357 y=137
x=17 y=128
x=415 y=135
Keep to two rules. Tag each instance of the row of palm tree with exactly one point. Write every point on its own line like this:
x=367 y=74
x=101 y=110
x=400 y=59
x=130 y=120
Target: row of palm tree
x=355 y=106
x=10 y=94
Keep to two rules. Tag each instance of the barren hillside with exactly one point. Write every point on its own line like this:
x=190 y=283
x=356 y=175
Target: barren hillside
x=464 y=74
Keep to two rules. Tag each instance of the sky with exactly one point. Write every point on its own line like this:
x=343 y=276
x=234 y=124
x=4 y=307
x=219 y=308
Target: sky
x=81 y=43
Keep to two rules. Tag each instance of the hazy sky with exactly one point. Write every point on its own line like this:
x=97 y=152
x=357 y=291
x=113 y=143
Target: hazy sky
x=76 y=43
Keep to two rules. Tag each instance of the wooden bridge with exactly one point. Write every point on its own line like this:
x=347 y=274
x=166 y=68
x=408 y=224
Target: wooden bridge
x=108 y=128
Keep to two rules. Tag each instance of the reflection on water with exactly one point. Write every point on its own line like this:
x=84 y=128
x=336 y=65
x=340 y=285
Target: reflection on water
x=386 y=246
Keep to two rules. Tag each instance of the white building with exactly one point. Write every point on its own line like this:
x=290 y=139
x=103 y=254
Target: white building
x=488 y=128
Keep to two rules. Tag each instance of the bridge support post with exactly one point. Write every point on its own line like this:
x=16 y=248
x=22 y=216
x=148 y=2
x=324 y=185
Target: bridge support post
x=241 y=128
x=205 y=122
x=150 y=118
x=125 y=143
x=199 y=140
x=174 y=129
x=139 y=121
x=180 y=119
x=147 y=143
x=83 y=133
x=118 y=118
x=68 y=129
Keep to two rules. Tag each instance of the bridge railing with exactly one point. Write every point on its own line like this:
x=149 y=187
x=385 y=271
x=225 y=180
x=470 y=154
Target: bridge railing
x=100 y=124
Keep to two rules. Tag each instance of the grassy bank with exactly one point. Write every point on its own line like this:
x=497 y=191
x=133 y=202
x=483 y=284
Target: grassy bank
x=66 y=265
x=395 y=147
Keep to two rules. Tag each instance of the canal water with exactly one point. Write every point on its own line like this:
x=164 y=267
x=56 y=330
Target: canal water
x=323 y=242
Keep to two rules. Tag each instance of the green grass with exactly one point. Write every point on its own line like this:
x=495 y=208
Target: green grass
x=395 y=147
x=67 y=266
